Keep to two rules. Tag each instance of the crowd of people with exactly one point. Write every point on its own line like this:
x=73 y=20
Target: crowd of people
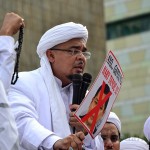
x=37 y=112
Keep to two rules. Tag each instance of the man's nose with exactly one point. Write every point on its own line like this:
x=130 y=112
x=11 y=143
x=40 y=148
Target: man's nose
x=81 y=57
x=108 y=143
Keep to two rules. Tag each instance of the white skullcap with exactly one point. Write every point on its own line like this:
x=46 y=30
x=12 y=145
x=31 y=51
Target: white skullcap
x=147 y=129
x=133 y=143
x=113 y=118
x=60 y=34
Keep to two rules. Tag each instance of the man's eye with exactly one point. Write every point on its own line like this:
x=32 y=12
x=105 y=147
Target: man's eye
x=70 y=51
x=76 y=51
x=114 y=138
x=101 y=108
x=95 y=102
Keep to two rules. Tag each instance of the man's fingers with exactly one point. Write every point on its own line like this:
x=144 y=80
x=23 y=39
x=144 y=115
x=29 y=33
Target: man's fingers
x=73 y=107
x=22 y=22
x=11 y=24
x=77 y=142
x=80 y=135
x=74 y=141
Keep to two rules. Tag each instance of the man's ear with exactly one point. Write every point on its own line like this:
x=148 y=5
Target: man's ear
x=50 y=56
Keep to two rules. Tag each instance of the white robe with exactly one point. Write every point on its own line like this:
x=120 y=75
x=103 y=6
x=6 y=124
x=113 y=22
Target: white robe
x=7 y=60
x=8 y=130
x=30 y=103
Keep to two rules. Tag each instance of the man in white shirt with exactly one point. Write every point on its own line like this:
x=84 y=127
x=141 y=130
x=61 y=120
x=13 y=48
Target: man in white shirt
x=8 y=130
x=41 y=99
x=111 y=132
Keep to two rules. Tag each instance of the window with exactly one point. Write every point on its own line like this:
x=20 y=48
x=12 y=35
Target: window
x=128 y=26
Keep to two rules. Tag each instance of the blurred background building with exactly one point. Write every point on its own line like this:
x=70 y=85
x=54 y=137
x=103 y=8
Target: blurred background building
x=128 y=35
x=122 y=26
x=40 y=15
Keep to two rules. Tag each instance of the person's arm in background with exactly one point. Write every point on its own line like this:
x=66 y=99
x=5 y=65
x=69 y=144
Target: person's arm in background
x=8 y=130
x=10 y=26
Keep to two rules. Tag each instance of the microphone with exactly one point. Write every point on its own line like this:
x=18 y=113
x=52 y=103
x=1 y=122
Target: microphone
x=77 y=80
x=87 y=78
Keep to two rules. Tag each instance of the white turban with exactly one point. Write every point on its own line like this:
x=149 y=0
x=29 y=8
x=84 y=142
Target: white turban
x=133 y=143
x=60 y=34
x=113 y=118
x=147 y=129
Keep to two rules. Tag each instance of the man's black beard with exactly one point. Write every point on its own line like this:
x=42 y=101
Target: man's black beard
x=71 y=76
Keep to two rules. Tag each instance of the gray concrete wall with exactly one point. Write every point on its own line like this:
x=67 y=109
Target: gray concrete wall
x=40 y=15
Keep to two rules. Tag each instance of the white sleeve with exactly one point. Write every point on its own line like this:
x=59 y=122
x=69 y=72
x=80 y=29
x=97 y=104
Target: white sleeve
x=8 y=130
x=7 y=60
x=49 y=142
x=31 y=133
x=147 y=129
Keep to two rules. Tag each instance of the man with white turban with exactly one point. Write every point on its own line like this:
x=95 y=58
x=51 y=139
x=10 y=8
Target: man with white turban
x=111 y=132
x=147 y=128
x=8 y=130
x=133 y=143
x=41 y=99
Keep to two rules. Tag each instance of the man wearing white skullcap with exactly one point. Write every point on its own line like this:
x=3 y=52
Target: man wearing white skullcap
x=133 y=143
x=147 y=129
x=111 y=132
x=41 y=99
